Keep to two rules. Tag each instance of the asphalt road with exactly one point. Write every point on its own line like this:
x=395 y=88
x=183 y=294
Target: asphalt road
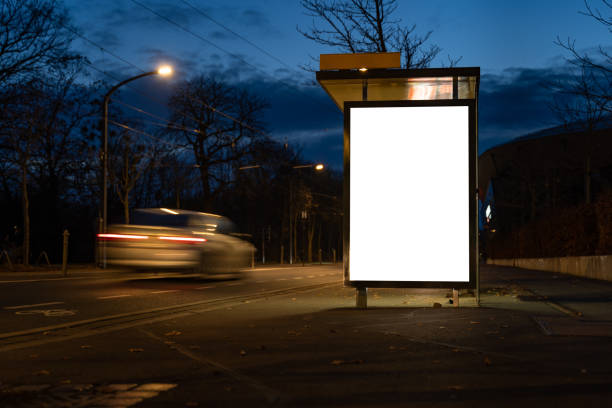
x=28 y=302
x=291 y=337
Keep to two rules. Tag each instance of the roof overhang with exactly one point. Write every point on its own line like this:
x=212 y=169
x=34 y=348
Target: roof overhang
x=399 y=84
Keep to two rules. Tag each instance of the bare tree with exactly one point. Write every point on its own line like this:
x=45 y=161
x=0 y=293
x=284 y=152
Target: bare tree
x=219 y=123
x=31 y=36
x=583 y=97
x=20 y=138
x=127 y=165
x=596 y=64
x=368 y=26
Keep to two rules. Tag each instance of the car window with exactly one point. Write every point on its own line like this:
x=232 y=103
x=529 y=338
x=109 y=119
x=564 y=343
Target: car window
x=160 y=220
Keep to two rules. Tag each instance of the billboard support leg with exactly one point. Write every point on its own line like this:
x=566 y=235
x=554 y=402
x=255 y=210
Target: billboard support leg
x=455 y=298
x=362 y=298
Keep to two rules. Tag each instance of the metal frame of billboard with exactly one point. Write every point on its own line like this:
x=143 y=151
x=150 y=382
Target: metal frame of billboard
x=472 y=196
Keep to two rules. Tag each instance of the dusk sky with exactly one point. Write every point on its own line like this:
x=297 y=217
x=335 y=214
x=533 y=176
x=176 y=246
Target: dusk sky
x=512 y=43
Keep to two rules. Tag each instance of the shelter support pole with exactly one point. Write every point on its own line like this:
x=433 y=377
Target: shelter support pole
x=362 y=292
x=362 y=298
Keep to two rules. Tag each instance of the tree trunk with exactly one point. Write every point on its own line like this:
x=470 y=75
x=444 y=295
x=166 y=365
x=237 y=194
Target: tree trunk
x=126 y=207
x=310 y=232
x=206 y=188
x=587 y=179
x=26 y=216
x=295 y=230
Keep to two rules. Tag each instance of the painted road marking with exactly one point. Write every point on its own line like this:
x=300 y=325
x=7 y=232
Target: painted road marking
x=43 y=280
x=36 y=305
x=157 y=292
x=311 y=276
x=298 y=277
x=233 y=284
x=281 y=279
x=204 y=287
x=114 y=296
x=48 y=313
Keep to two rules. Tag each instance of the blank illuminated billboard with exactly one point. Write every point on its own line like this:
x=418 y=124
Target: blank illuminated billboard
x=410 y=174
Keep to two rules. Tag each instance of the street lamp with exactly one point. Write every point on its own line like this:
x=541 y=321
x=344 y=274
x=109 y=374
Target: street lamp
x=164 y=70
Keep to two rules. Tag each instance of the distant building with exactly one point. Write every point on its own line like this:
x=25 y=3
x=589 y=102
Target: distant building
x=526 y=178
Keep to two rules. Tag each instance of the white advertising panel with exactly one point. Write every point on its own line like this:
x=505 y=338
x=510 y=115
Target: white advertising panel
x=409 y=193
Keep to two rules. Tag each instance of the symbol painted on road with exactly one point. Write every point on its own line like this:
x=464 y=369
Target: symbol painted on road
x=47 y=312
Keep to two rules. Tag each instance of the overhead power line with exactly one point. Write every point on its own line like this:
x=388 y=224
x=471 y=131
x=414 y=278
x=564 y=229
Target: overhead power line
x=207 y=41
x=207 y=16
x=206 y=105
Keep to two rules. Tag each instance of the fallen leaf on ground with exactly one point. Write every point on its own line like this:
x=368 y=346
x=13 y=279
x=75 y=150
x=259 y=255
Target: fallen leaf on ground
x=172 y=333
x=42 y=372
x=342 y=362
x=66 y=382
x=487 y=361
x=33 y=355
x=392 y=347
x=243 y=353
x=135 y=350
x=194 y=347
x=85 y=346
x=294 y=299
x=583 y=371
x=168 y=342
x=191 y=404
x=473 y=322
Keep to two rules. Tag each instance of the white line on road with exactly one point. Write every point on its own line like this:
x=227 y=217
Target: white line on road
x=234 y=284
x=157 y=292
x=43 y=279
x=114 y=296
x=36 y=305
x=204 y=287
x=261 y=281
x=281 y=279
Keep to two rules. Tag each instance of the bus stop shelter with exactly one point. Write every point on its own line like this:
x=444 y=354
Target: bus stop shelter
x=410 y=172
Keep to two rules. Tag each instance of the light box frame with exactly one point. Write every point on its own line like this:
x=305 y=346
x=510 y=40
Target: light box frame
x=472 y=195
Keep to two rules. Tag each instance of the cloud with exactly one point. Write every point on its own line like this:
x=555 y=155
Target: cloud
x=515 y=102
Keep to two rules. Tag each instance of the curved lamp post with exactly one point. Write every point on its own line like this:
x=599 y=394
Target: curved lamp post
x=164 y=70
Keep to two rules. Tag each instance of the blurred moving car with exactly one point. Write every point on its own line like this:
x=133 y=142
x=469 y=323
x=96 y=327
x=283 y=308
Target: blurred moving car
x=177 y=239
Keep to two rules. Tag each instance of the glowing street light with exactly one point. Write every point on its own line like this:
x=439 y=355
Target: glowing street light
x=164 y=70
